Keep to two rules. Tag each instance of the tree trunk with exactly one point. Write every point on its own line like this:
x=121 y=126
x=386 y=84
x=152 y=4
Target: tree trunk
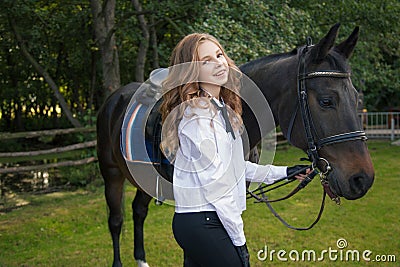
x=153 y=41
x=13 y=73
x=45 y=75
x=104 y=22
x=144 y=43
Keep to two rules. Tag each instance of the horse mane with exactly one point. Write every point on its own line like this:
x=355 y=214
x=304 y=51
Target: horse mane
x=255 y=64
x=335 y=61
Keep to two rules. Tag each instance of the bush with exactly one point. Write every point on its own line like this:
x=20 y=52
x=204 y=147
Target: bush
x=81 y=176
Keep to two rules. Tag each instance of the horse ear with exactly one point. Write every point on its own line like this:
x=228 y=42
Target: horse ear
x=321 y=50
x=346 y=47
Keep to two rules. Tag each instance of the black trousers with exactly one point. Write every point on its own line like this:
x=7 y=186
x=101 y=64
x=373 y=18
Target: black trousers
x=204 y=240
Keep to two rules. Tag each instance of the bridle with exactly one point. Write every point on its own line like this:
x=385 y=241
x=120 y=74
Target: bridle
x=314 y=144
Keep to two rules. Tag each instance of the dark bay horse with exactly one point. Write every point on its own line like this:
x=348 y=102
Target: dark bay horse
x=331 y=109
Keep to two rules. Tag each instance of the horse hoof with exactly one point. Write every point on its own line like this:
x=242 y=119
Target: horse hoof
x=142 y=263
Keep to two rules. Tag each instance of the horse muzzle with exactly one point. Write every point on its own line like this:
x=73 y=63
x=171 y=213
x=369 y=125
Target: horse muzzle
x=355 y=187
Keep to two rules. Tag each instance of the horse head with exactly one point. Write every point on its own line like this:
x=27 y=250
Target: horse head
x=322 y=71
x=332 y=114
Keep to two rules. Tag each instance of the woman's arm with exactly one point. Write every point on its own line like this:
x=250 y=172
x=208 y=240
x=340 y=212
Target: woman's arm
x=270 y=173
x=264 y=173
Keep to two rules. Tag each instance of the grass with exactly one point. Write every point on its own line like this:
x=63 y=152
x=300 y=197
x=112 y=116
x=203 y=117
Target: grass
x=70 y=228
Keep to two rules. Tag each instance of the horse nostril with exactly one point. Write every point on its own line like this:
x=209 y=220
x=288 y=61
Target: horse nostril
x=359 y=185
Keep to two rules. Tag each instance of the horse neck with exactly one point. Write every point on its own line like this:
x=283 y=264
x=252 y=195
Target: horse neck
x=276 y=77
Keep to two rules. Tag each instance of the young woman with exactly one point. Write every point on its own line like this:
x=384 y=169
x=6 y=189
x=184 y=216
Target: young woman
x=202 y=128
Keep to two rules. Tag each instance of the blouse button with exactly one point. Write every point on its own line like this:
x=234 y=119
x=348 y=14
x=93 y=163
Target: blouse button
x=207 y=219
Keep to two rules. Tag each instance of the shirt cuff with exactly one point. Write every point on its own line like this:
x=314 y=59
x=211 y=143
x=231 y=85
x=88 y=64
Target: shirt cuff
x=239 y=241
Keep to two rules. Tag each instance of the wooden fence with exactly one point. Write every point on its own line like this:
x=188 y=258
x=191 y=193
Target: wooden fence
x=35 y=134
x=376 y=125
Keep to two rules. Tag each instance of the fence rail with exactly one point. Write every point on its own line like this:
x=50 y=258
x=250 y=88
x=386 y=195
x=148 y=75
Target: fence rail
x=381 y=125
x=34 y=134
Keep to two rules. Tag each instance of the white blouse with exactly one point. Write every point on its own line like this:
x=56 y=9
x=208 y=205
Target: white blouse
x=210 y=172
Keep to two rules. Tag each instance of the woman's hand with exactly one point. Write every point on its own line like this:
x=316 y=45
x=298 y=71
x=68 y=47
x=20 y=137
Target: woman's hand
x=299 y=172
x=302 y=176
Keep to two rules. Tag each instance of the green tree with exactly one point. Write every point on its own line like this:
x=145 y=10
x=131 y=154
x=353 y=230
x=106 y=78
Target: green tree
x=55 y=36
x=61 y=37
x=376 y=60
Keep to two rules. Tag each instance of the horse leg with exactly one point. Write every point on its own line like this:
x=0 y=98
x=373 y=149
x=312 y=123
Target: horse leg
x=140 y=207
x=114 y=185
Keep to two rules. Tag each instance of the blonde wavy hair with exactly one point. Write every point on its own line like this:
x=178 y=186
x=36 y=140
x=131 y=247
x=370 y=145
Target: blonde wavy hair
x=181 y=88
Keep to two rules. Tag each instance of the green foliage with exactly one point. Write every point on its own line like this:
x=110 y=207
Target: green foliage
x=376 y=59
x=258 y=29
x=80 y=176
x=56 y=34
x=59 y=35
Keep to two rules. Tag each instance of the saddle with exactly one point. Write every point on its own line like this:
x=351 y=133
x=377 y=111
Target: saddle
x=142 y=123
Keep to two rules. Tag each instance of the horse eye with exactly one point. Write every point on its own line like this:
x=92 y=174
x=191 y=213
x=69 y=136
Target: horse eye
x=326 y=102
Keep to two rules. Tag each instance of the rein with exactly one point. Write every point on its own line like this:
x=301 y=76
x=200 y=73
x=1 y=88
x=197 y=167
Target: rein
x=313 y=144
